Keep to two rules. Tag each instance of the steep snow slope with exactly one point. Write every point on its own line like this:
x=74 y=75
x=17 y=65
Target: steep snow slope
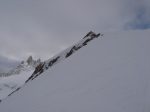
x=109 y=75
x=11 y=83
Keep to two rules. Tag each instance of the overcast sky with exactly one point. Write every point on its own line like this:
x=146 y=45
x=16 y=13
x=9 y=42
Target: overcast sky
x=44 y=27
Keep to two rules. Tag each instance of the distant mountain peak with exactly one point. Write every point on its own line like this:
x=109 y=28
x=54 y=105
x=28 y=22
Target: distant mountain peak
x=27 y=65
x=31 y=62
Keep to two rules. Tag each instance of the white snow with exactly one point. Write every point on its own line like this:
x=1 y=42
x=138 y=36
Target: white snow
x=11 y=83
x=108 y=75
x=14 y=79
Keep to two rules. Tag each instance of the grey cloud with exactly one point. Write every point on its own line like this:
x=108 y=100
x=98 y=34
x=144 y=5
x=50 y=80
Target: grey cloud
x=139 y=14
x=7 y=64
x=44 y=27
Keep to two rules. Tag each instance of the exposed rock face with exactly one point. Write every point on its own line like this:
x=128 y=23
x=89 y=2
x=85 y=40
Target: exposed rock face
x=30 y=60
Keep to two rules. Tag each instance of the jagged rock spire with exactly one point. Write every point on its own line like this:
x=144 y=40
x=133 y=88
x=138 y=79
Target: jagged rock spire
x=30 y=60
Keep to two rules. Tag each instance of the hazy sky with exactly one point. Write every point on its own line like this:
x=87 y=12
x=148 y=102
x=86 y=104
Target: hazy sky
x=44 y=27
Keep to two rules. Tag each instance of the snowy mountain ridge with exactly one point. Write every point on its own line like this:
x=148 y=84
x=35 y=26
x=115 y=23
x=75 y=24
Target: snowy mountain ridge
x=64 y=54
x=30 y=69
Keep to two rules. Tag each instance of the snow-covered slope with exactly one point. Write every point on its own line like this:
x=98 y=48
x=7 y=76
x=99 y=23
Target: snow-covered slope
x=15 y=78
x=108 y=75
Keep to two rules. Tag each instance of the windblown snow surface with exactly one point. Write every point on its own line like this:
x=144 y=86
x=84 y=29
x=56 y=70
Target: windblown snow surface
x=110 y=74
